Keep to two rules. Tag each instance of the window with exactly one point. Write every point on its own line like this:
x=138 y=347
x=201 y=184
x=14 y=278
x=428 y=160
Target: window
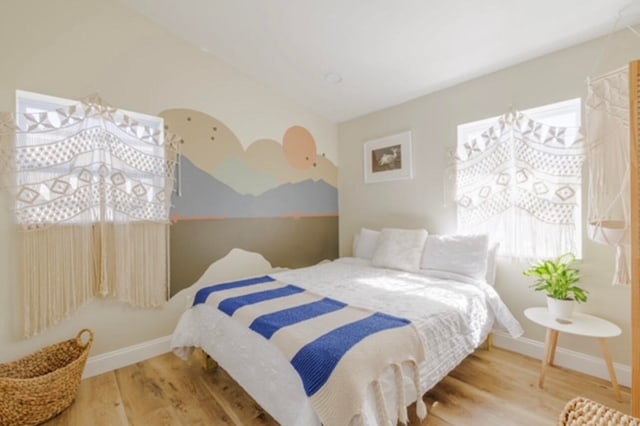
x=519 y=179
x=93 y=188
x=57 y=159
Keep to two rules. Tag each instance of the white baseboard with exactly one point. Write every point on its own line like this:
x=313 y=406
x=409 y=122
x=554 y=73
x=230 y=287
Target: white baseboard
x=566 y=358
x=126 y=356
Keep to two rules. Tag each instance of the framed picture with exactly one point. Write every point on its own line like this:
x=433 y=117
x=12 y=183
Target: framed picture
x=388 y=158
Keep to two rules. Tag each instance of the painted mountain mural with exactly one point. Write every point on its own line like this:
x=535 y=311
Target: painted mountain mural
x=277 y=197
x=205 y=197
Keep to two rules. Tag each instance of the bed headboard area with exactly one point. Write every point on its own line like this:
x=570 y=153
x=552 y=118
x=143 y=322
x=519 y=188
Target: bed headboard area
x=468 y=257
x=278 y=198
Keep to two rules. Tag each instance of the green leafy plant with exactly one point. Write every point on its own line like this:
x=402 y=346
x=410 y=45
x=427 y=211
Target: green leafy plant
x=558 y=277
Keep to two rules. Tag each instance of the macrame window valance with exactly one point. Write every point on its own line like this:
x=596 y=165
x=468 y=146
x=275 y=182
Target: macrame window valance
x=92 y=187
x=520 y=182
x=608 y=165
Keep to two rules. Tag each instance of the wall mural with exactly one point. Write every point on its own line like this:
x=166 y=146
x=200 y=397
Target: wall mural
x=276 y=198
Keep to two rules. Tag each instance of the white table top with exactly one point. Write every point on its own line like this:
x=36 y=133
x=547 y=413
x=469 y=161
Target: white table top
x=581 y=324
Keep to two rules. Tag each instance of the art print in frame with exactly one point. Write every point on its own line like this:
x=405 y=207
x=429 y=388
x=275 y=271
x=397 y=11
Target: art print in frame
x=388 y=158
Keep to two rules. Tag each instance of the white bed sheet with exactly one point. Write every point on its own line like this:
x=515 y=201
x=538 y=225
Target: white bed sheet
x=453 y=318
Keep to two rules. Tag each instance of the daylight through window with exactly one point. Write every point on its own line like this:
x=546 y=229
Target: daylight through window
x=519 y=179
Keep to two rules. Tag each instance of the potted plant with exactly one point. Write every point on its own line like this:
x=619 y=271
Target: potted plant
x=558 y=277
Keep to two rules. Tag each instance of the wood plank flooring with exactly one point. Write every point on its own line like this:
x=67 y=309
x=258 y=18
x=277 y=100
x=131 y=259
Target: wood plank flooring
x=495 y=387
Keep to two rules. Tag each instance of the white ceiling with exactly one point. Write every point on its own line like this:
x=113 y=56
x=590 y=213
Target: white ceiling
x=385 y=51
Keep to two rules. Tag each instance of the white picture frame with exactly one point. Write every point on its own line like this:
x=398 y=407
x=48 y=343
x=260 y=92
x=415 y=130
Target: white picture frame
x=388 y=158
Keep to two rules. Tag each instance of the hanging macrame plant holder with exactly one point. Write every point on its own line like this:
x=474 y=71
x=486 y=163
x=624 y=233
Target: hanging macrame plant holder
x=608 y=160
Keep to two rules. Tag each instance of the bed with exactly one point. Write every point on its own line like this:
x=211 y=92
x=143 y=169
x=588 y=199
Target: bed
x=453 y=315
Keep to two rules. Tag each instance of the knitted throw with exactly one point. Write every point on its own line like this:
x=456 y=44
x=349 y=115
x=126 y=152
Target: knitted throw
x=336 y=349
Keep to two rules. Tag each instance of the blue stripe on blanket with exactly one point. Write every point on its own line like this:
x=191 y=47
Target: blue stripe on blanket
x=203 y=293
x=268 y=324
x=230 y=305
x=316 y=361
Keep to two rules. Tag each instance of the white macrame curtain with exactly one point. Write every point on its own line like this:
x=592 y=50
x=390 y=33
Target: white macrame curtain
x=92 y=189
x=608 y=164
x=519 y=181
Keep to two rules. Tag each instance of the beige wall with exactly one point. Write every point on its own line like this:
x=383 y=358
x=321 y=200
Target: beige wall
x=421 y=202
x=72 y=48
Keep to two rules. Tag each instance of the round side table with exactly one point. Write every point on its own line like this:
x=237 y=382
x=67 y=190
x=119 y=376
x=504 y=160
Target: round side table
x=581 y=325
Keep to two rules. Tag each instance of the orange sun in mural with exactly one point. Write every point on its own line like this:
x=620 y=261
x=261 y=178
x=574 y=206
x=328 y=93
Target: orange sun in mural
x=299 y=147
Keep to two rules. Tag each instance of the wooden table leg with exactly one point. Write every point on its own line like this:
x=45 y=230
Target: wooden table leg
x=554 y=346
x=548 y=346
x=612 y=371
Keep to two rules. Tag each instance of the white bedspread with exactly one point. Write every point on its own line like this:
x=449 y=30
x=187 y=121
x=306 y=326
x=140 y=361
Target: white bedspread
x=453 y=318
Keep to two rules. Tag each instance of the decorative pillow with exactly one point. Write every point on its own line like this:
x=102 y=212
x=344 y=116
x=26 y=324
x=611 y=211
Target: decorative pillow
x=400 y=249
x=462 y=254
x=366 y=243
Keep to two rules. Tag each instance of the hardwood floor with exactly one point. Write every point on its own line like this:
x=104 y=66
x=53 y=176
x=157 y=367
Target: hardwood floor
x=493 y=387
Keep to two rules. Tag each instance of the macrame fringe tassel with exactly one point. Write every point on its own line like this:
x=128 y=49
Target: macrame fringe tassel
x=621 y=276
x=421 y=408
x=138 y=253
x=401 y=399
x=64 y=267
x=381 y=404
x=57 y=273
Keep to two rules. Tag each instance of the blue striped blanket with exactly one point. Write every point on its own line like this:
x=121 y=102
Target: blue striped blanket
x=336 y=349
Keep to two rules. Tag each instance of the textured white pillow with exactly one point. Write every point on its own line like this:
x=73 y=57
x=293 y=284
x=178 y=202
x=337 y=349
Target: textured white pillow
x=400 y=249
x=366 y=243
x=462 y=254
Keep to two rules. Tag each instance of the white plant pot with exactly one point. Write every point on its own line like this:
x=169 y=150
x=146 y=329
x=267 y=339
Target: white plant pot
x=560 y=309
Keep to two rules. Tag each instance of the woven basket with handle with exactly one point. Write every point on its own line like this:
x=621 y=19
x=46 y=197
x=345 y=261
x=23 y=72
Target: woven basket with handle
x=39 y=386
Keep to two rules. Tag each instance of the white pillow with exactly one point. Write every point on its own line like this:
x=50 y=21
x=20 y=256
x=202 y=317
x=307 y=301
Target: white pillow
x=366 y=243
x=400 y=249
x=462 y=254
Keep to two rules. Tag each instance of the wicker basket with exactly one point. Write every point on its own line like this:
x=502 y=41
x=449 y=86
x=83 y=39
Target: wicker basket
x=39 y=386
x=584 y=412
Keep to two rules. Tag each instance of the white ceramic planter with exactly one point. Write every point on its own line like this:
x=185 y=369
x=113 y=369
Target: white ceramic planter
x=560 y=309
